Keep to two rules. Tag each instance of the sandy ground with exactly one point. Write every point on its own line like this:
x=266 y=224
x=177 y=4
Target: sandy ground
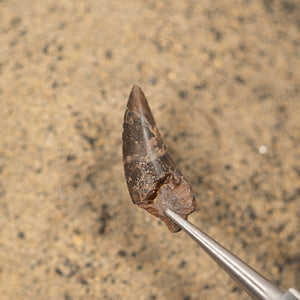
x=222 y=79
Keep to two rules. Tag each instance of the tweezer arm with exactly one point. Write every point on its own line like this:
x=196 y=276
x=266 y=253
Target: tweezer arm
x=252 y=282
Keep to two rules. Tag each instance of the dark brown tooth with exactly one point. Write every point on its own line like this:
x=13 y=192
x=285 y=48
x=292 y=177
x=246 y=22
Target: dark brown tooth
x=153 y=180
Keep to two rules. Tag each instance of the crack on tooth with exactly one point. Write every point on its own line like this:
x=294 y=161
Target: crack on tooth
x=158 y=184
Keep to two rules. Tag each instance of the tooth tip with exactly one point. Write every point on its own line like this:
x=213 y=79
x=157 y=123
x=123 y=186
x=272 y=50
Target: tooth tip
x=137 y=98
x=136 y=87
x=136 y=92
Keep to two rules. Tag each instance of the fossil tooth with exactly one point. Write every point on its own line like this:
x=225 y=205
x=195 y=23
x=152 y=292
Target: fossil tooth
x=153 y=180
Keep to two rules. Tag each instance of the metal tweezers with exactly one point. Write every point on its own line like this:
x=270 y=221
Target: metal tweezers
x=257 y=286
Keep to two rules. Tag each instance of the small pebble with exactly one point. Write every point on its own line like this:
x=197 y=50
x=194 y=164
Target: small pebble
x=263 y=149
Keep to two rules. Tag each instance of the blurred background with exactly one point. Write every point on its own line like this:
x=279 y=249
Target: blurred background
x=222 y=79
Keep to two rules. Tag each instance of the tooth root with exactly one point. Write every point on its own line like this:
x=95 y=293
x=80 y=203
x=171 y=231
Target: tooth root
x=153 y=180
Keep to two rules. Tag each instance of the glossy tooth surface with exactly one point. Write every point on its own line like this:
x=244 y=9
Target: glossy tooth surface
x=153 y=180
